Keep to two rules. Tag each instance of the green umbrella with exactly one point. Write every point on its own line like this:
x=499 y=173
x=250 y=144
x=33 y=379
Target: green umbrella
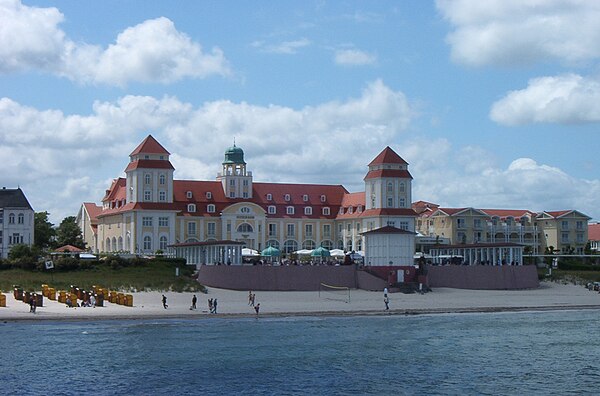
x=320 y=252
x=270 y=252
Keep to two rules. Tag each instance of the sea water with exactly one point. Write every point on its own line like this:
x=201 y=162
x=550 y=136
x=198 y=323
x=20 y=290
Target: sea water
x=509 y=353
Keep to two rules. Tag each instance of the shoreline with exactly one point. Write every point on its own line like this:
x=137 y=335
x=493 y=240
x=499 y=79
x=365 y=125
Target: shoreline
x=280 y=304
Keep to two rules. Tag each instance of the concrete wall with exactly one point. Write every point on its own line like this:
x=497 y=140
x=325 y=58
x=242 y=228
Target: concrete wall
x=483 y=277
x=276 y=277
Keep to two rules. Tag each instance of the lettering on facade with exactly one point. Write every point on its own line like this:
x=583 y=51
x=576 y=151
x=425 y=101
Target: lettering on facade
x=245 y=217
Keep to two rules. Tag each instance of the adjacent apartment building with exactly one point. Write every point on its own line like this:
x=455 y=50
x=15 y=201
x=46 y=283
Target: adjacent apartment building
x=16 y=220
x=564 y=231
x=149 y=209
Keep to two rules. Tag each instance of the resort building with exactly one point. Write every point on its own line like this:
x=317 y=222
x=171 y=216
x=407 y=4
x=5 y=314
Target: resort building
x=16 y=220
x=562 y=231
x=594 y=237
x=149 y=210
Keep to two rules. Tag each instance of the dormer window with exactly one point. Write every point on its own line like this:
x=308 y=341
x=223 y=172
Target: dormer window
x=308 y=211
x=323 y=198
x=210 y=208
x=191 y=208
x=146 y=157
x=271 y=209
x=286 y=197
x=341 y=210
x=360 y=209
x=305 y=198
x=189 y=194
x=269 y=197
x=326 y=211
x=289 y=210
x=350 y=210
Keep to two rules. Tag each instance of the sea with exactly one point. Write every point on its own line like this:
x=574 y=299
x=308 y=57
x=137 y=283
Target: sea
x=518 y=353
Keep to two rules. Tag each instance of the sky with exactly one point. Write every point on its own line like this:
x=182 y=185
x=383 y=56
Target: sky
x=494 y=104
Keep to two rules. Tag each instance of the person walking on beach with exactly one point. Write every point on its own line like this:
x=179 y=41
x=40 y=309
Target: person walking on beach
x=250 y=297
x=164 y=301
x=386 y=301
x=32 y=303
x=257 y=308
x=210 y=305
x=194 y=300
x=214 y=306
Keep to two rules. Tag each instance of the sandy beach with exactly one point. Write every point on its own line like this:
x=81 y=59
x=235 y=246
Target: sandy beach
x=549 y=296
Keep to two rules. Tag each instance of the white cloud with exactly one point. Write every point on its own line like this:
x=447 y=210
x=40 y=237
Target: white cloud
x=286 y=47
x=354 y=57
x=153 y=51
x=562 y=99
x=511 y=32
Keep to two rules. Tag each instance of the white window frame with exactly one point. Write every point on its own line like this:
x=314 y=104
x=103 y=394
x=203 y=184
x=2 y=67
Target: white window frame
x=269 y=197
x=163 y=221
x=146 y=221
x=189 y=194
x=289 y=210
x=191 y=208
x=287 y=197
x=210 y=208
x=323 y=198
x=208 y=195
x=191 y=228
x=308 y=211
x=305 y=197
x=271 y=209
x=326 y=211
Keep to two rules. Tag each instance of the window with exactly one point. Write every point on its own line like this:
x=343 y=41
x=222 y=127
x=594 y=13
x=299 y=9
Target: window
x=272 y=229
x=162 y=179
x=286 y=197
x=147 y=195
x=210 y=208
x=273 y=242
x=341 y=211
x=390 y=187
x=289 y=210
x=291 y=230
x=1 y=217
x=350 y=209
x=208 y=195
x=163 y=221
x=162 y=244
x=146 y=157
x=323 y=198
x=191 y=208
x=232 y=194
x=580 y=225
x=305 y=197
x=162 y=157
x=147 y=243
x=308 y=211
x=403 y=225
x=565 y=225
x=11 y=218
x=228 y=227
x=189 y=194
x=360 y=209
x=162 y=196
x=269 y=197
x=271 y=209
x=564 y=237
x=309 y=245
x=580 y=237
x=326 y=211
x=390 y=202
x=212 y=229
x=402 y=202
x=327 y=230
x=147 y=221
x=477 y=223
x=245 y=209
x=232 y=182
x=245 y=183
x=461 y=223
x=21 y=218
x=391 y=223
x=308 y=230
x=245 y=228
x=191 y=228
x=147 y=178
x=402 y=187
x=244 y=195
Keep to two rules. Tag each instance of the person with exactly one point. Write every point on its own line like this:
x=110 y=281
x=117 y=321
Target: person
x=32 y=303
x=385 y=291
x=250 y=297
x=164 y=301
x=194 y=300
x=257 y=308
x=215 y=306
x=92 y=301
x=210 y=305
x=386 y=301
x=69 y=302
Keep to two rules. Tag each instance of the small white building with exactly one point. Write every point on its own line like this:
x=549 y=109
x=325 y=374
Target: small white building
x=389 y=246
x=16 y=220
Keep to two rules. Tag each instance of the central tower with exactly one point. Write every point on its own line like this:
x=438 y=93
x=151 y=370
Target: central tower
x=236 y=181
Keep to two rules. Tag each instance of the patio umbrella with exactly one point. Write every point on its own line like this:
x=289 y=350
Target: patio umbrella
x=337 y=253
x=320 y=252
x=250 y=252
x=270 y=252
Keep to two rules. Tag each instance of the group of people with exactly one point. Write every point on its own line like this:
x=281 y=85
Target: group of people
x=212 y=305
x=252 y=301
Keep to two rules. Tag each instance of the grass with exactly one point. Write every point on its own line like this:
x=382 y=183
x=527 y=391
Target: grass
x=569 y=276
x=151 y=277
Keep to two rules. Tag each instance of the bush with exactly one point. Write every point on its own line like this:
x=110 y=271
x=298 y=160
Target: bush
x=66 y=264
x=575 y=266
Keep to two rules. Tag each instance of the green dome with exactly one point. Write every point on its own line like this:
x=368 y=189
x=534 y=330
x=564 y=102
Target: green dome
x=234 y=155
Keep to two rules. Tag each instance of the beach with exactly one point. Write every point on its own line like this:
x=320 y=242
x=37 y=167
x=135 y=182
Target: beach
x=549 y=296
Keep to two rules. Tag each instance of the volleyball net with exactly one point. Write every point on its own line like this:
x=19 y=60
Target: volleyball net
x=330 y=292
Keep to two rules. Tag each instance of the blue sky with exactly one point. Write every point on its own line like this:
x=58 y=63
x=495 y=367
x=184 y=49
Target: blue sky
x=494 y=104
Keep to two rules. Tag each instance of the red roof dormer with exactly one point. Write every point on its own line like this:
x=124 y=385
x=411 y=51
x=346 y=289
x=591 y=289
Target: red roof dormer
x=149 y=146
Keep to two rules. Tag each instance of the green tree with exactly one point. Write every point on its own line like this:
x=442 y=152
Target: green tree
x=69 y=233
x=44 y=231
x=20 y=251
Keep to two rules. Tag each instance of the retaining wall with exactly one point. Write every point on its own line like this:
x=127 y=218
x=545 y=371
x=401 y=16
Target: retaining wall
x=483 y=277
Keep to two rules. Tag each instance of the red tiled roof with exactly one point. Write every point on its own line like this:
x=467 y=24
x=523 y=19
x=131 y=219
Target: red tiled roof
x=450 y=211
x=354 y=199
x=503 y=213
x=93 y=211
x=149 y=146
x=140 y=206
x=594 y=232
x=150 y=164
x=377 y=212
x=558 y=213
x=388 y=156
x=116 y=191
x=388 y=230
x=388 y=173
x=69 y=248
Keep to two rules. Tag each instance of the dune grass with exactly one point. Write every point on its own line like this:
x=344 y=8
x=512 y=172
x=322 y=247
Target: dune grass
x=151 y=277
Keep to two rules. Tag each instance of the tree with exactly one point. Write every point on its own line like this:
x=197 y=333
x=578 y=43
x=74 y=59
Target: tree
x=44 y=231
x=69 y=233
